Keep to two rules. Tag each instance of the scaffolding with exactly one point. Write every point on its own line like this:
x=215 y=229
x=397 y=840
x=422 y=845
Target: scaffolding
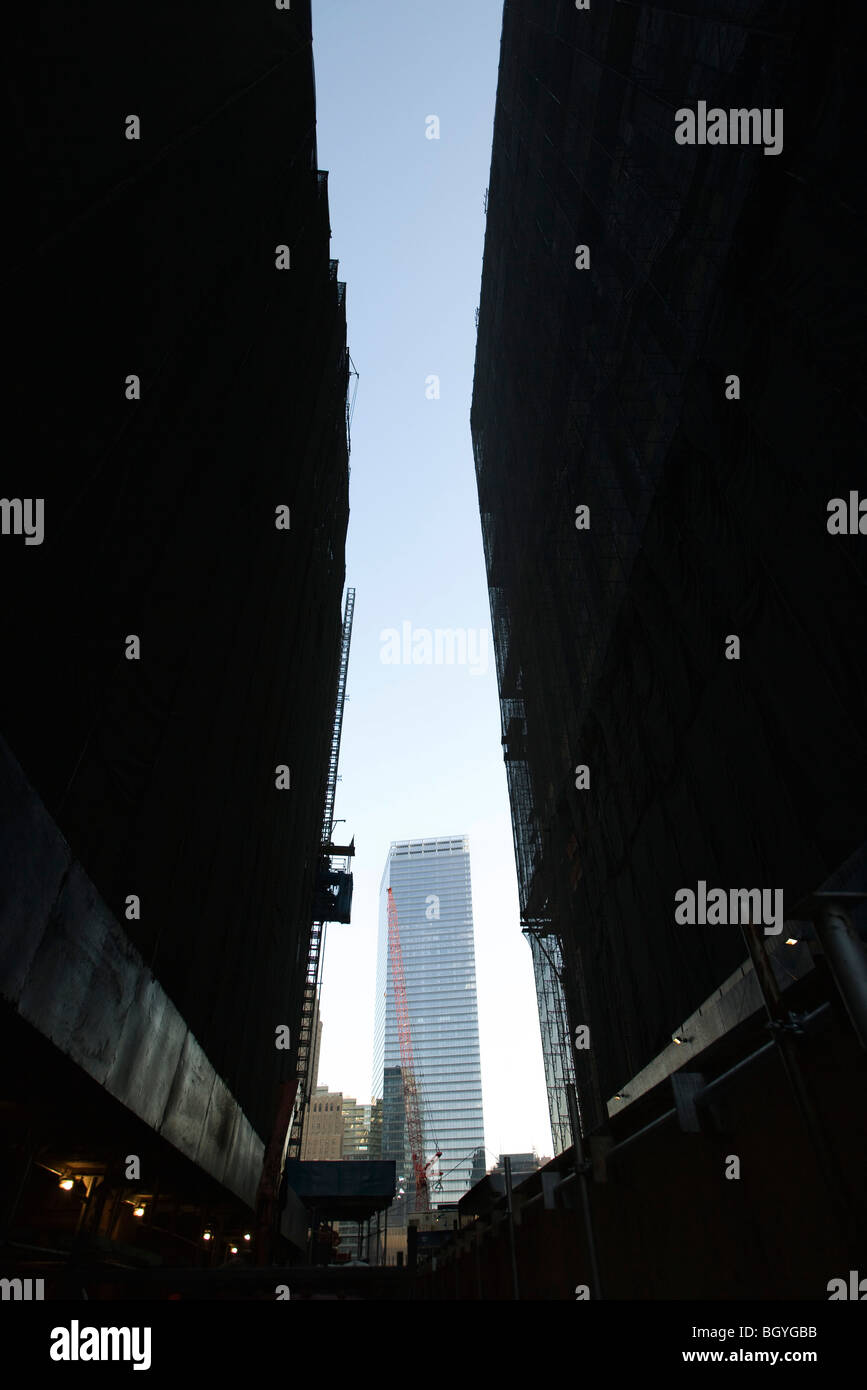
x=329 y=869
x=554 y=1027
x=601 y=386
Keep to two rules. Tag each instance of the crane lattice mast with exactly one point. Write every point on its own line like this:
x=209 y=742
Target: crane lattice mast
x=407 y=1064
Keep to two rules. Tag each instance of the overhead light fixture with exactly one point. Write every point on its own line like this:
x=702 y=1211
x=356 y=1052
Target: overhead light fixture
x=791 y=941
x=67 y=1184
x=246 y=1235
x=138 y=1211
x=206 y=1235
x=233 y=1249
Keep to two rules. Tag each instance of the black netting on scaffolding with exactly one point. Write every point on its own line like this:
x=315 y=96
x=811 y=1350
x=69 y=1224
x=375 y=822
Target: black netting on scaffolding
x=604 y=388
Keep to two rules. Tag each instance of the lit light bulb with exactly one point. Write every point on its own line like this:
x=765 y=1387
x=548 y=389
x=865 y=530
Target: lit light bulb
x=67 y=1184
x=138 y=1211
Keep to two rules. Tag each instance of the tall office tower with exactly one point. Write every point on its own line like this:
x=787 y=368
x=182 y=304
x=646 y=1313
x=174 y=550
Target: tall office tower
x=171 y=658
x=361 y=1130
x=479 y=1167
x=668 y=367
x=430 y=880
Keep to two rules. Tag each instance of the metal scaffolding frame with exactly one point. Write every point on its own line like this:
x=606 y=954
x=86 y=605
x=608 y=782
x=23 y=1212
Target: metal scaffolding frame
x=312 y=979
x=554 y=1028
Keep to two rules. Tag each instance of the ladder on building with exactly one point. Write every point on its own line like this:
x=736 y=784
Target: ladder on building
x=306 y=1040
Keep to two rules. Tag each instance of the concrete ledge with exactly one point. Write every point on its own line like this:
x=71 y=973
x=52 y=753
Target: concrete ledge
x=737 y=1000
x=68 y=968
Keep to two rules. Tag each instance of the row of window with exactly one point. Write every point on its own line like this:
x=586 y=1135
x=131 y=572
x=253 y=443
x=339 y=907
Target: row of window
x=398 y=847
x=462 y=1022
x=413 y=891
x=414 y=900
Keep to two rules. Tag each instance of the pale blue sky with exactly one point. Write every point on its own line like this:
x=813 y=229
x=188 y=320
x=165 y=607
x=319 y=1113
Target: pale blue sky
x=421 y=750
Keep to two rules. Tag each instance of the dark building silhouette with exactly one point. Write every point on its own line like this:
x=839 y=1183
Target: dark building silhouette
x=156 y=258
x=606 y=387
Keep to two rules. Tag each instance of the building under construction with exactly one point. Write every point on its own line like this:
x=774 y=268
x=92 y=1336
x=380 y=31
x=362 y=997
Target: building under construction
x=175 y=655
x=665 y=404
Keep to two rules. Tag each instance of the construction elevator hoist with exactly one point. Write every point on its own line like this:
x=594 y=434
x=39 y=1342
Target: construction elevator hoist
x=407 y=1065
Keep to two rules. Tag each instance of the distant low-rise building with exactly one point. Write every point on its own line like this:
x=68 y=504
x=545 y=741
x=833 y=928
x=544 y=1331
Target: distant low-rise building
x=324 y=1129
x=522 y=1165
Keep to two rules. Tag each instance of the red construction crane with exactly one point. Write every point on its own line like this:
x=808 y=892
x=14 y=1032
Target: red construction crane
x=407 y=1065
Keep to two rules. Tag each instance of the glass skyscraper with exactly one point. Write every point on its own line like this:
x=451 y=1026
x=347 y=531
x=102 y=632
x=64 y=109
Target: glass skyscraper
x=430 y=880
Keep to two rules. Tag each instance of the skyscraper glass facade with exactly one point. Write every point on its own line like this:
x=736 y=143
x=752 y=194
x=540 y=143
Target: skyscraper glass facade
x=430 y=880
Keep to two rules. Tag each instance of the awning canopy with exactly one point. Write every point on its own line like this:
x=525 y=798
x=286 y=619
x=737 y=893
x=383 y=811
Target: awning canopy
x=348 y=1191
